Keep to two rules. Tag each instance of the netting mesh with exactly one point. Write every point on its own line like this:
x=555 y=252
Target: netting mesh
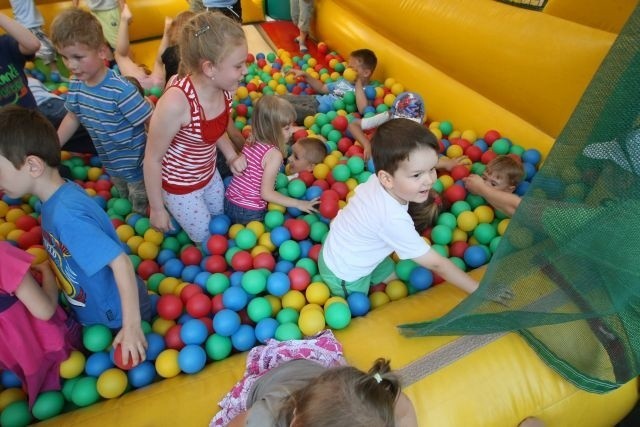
x=571 y=254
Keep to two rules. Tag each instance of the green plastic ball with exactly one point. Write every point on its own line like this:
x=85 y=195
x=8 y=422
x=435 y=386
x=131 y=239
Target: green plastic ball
x=96 y=337
x=281 y=181
x=79 y=172
x=296 y=188
x=474 y=200
x=290 y=250
x=318 y=231
x=218 y=347
x=156 y=91
x=183 y=238
x=438 y=186
x=325 y=129
x=48 y=404
x=441 y=249
x=259 y=308
x=254 y=282
x=171 y=243
x=478 y=168
x=349 y=98
x=334 y=135
x=484 y=233
x=493 y=246
x=246 y=239
x=321 y=119
x=287 y=315
x=309 y=265
x=85 y=392
x=338 y=315
x=288 y=331
x=230 y=253
x=447 y=219
x=217 y=283
x=122 y=207
x=135 y=260
x=16 y=414
x=518 y=150
x=460 y=206
x=446 y=127
x=459 y=262
x=441 y=234
x=363 y=177
x=341 y=172
x=404 y=267
x=356 y=165
x=501 y=146
x=338 y=104
x=273 y=219
x=67 y=387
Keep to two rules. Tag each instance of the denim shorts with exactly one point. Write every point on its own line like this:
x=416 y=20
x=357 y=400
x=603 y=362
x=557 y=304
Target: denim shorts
x=240 y=215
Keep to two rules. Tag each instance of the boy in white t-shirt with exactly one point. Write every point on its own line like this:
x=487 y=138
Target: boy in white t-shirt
x=375 y=223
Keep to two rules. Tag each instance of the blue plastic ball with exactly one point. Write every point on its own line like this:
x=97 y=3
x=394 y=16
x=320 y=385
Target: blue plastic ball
x=529 y=171
x=284 y=266
x=192 y=359
x=244 y=338
x=219 y=224
x=235 y=298
x=190 y=272
x=226 y=322
x=173 y=267
x=532 y=156
x=10 y=380
x=142 y=375
x=475 y=256
x=420 y=278
x=266 y=329
x=359 y=304
x=280 y=235
x=522 y=188
x=193 y=332
x=97 y=363
x=165 y=255
x=155 y=345
x=278 y=283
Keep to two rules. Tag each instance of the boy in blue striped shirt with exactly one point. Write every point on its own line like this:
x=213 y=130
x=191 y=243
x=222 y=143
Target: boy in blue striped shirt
x=107 y=105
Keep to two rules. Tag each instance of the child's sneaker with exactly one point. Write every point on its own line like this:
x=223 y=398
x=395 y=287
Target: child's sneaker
x=303 y=48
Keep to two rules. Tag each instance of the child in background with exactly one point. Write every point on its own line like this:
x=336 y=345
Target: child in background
x=301 y=13
x=35 y=331
x=363 y=61
x=305 y=154
x=109 y=107
x=108 y=14
x=170 y=57
x=93 y=270
x=15 y=45
x=27 y=14
x=375 y=223
x=497 y=184
x=190 y=123
x=306 y=383
x=247 y=196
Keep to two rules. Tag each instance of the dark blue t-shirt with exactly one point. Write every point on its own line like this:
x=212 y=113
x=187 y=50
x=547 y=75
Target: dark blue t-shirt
x=13 y=81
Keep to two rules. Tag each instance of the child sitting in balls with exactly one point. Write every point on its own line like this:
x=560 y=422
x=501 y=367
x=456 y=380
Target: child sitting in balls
x=362 y=61
x=92 y=268
x=498 y=182
x=109 y=107
x=375 y=223
x=39 y=332
x=305 y=154
x=247 y=196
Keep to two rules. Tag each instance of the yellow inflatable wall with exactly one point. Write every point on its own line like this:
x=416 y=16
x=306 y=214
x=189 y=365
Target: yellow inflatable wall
x=482 y=65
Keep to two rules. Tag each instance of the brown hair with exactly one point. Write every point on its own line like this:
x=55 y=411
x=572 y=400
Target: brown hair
x=315 y=149
x=208 y=36
x=366 y=57
x=396 y=139
x=175 y=29
x=425 y=214
x=76 y=25
x=25 y=132
x=345 y=396
x=270 y=114
x=508 y=168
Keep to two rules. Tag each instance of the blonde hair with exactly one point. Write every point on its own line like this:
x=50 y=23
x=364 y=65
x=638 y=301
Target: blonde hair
x=175 y=29
x=75 y=25
x=508 y=168
x=345 y=396
x=315 y=149
x=270 y=114
x=425 y=214
x=208 y=36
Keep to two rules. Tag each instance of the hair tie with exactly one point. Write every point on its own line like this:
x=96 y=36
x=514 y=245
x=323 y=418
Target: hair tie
x=377 y=377
x=202 y=30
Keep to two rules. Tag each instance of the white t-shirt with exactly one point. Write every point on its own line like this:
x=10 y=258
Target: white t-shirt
x=371 y=227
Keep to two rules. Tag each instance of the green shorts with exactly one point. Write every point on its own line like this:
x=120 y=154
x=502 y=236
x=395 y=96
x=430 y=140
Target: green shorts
x=343 y=288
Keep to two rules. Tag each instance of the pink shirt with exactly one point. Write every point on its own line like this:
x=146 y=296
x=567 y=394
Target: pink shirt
x=244 y=190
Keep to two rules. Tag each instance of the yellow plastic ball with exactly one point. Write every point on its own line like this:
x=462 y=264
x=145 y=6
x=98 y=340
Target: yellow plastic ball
x=258 y=249
x=242 y=92
x=168 y=285
x=281 y=89
x=276 y=304
x=317 y=293
x=446 y=181
x=333 y=62
x=178 y=289
x=389 y=81
x=40 y=255
x=437 y=132
x=484 y=213
x=333 y=300
x=396 y=289
x=257 y=227
x=397 y=88
x=309 y=121
x=502 y=226
x=389 y=99
x=6 y=228
x=350 y=74
x=154 y=236
x=467 y=221
x=455 y=134
x=234 y=229
x=276 y=207
x=469 y=135
x=73 y=366
x=321 y=170
x=312 y=307
x=473 y=241
x=26 y=207
x=352 y=183
x=134 y=243
x=167 y=363
x=311 y=322
x=10 y=395
x=265 y=241
x=4 y=208
x=94 y=173
x=312 y=62
x=112 y=383
x=379 y=92
x=15 y=234
x=160 y=326
x=293 y=299
x=90 y=192
x=459 y=235
x=13 y=214
x=454 y=151
x=125 y=232
x=378 y=299
x=330 y=161
x=148 y=250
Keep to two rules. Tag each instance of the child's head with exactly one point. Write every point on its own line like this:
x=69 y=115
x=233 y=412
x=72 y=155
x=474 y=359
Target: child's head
x=77 y=36
x=503 y=173
x=346 y=393
x=364 y=61
x=425 y=214
x=214 y=45
x=405 y=155
x=305 y=154
x=177 y=24
x=271 y=121
x=27 y=141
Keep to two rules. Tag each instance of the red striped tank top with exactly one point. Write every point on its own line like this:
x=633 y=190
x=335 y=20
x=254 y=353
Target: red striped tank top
x=244 y=190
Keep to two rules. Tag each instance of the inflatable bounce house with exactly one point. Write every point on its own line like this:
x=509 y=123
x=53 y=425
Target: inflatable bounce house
x=557 y=79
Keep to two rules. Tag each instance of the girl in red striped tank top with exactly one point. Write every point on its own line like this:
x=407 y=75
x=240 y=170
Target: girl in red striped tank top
x=248 y=194
x=192 y=119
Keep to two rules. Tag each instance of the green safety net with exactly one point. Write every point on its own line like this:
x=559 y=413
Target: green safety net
x=570 y=258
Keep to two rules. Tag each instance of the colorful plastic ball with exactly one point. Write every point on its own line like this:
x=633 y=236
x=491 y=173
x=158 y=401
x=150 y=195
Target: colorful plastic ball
x=10 y=395
x=378 y=299
x=246 y=239
x=191 y=255
x=293 y=299
x=259 y=308
x=218 y=347
x=421 y=278
x=317 y=293
x=501 y=146
x=475 y=256
x=193 y=332
x=311 y=322
x=287 y=315
x=155 y=345
x=235 y=298
x=217 y=283
x=142 y=375
x=241 y=260
x=16 y=414
x=484 y=233
x=359 y=304
x=198 y=305
x=244 y=338
x=73 y=366
x=9 y=379
x=532 y=156
x=97 y=337
x=167 y=363
x=254 y=282
x=217 y=244
x=48 y=404
x=84 y=392
x=192 y=359
x=97 y=363
x=266 y=329
x=338 y=315
x=288 y=331
x=219 y=224
x=396 y=289
x=170 y=306
x=226 y=322
x=467 y=221
x=289 y=250
x=484 y=213
x=299 y=278
x=112 y=383
x=441 y=234
x=278 y=283
x=173 y=267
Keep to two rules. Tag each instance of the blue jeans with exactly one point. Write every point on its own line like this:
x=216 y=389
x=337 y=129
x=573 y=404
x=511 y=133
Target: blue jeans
x=240 y=215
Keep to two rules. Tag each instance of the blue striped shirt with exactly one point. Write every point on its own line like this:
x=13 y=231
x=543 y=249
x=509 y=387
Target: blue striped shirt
x=114 y=113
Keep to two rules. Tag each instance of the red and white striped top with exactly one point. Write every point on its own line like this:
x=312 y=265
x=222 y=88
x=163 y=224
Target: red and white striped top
x=244 y=190
x=190 y=160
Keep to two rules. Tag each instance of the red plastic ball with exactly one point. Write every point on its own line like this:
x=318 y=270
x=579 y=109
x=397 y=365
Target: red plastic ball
x=323 y=184
x=189 y=291
x=215 y=264
x=491 y=136
x=380 y=287
x=298 y=228
x=252 y=87
x=242 y=261
x=26 y=222
x=344 y=144
x=103 y=185
x=456 y=249
x=329 y=209
x=458 y=172
x=306 y=177
x=199 y=305
x=302 y=133
x=299 y=278
x=314 y=252
x=28 y=239
x=169 y=307
x=355 y=150
x=474 y=153
x=341 y=188
x=191 y=255
x=264 y=260
x=330 y=196
x=242 y=110
x=340 y=123
x=487 y=156
x=208 y=323
x=250 y=58
x=454 y=193
x=172 y=337
x=147 y=267
x=216 y=304
x=217 y=244
x=118 y=359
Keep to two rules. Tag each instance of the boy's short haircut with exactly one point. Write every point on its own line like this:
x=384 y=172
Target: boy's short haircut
x=315 y=150
x=367 y=57
x=76 y=25
x=25 y=132
x=396 y=139
x=508 y=168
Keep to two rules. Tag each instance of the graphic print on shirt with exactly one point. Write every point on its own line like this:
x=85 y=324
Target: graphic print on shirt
x=67 y=278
